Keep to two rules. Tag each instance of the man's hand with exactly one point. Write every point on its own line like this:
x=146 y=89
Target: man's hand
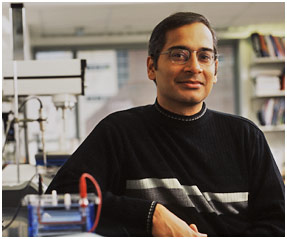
x=166 y=224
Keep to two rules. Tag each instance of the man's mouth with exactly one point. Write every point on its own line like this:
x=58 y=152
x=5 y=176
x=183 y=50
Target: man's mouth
x=191 y=84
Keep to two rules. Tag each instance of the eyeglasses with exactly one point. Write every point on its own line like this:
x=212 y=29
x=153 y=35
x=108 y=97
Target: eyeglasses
x=181 y=56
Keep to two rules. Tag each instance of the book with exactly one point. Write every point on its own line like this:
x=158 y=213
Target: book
x=274 y=45
x=268 y=45
x=256 y=44
x=281 y=52
x=283 y=83
x=272 y=112
x=281 y=112
x=268 y=110
x=263 y=46
x=267 y=84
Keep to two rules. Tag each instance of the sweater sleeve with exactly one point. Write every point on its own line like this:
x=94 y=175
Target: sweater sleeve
x=102 y=156
x=266 y=203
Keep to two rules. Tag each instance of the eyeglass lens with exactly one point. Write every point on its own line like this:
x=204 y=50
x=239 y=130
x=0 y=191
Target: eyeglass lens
x=181 y=56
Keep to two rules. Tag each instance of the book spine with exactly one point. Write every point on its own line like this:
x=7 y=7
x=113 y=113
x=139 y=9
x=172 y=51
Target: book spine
x=256 y=44
x=263 y=46
x=283 y=83
x=269 y=46
x=272 y=112
x=281 y=53
x=274 y=45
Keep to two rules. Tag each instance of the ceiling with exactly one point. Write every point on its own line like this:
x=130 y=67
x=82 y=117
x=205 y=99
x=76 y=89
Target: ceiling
x=47 y=21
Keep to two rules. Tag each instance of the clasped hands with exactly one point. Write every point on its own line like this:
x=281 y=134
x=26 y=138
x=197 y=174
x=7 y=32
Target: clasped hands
x=166 y=224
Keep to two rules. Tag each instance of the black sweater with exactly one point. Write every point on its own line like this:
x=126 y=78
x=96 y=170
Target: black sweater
x=211 y=169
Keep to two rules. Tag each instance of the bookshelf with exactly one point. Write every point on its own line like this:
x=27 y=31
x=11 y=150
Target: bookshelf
x=268 y=97
x=279 y=93
x=273 y=128
x=267 y=71
x=267 y=60
x=268 y=103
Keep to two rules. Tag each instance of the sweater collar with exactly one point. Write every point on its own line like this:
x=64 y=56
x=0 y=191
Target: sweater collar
x=178 y=117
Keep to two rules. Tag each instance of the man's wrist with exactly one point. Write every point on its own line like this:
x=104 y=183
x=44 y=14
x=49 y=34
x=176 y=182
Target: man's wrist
x=158 y=220
x=150 y=217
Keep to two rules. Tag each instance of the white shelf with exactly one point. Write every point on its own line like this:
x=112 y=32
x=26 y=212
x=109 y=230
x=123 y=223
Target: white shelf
x=273 y=128
x=279 y=93
x=268 y=60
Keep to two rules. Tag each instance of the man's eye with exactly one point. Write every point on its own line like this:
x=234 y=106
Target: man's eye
x=179 y=55
x=204 y=57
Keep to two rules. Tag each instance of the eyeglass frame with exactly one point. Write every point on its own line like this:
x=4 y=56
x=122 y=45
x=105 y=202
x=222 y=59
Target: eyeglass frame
x=190 y=52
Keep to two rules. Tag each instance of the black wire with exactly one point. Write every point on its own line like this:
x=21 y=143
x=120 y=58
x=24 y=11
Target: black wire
x=23 y=103
x=29 y=182
x=19 y=205
x=6 y=134
x=30 y=98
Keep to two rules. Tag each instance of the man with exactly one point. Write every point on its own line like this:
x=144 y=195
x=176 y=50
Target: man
x=176 y=168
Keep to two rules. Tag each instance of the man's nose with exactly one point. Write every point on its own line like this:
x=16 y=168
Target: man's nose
x=192 y=65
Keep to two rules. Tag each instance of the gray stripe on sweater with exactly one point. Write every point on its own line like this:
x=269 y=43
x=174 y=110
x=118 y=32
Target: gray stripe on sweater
x=170 y=191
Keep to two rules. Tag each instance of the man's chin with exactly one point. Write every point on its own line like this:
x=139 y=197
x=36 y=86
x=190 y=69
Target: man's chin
x=191 y=100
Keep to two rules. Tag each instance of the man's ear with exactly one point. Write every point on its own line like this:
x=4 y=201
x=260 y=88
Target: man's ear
x=215 y=71
x=150 y=68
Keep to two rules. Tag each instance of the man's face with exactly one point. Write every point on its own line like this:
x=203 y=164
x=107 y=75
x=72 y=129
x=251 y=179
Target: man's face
x=186 y=85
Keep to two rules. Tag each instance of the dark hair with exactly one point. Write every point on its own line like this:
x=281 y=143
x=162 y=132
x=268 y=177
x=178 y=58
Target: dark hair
x=158 y=36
